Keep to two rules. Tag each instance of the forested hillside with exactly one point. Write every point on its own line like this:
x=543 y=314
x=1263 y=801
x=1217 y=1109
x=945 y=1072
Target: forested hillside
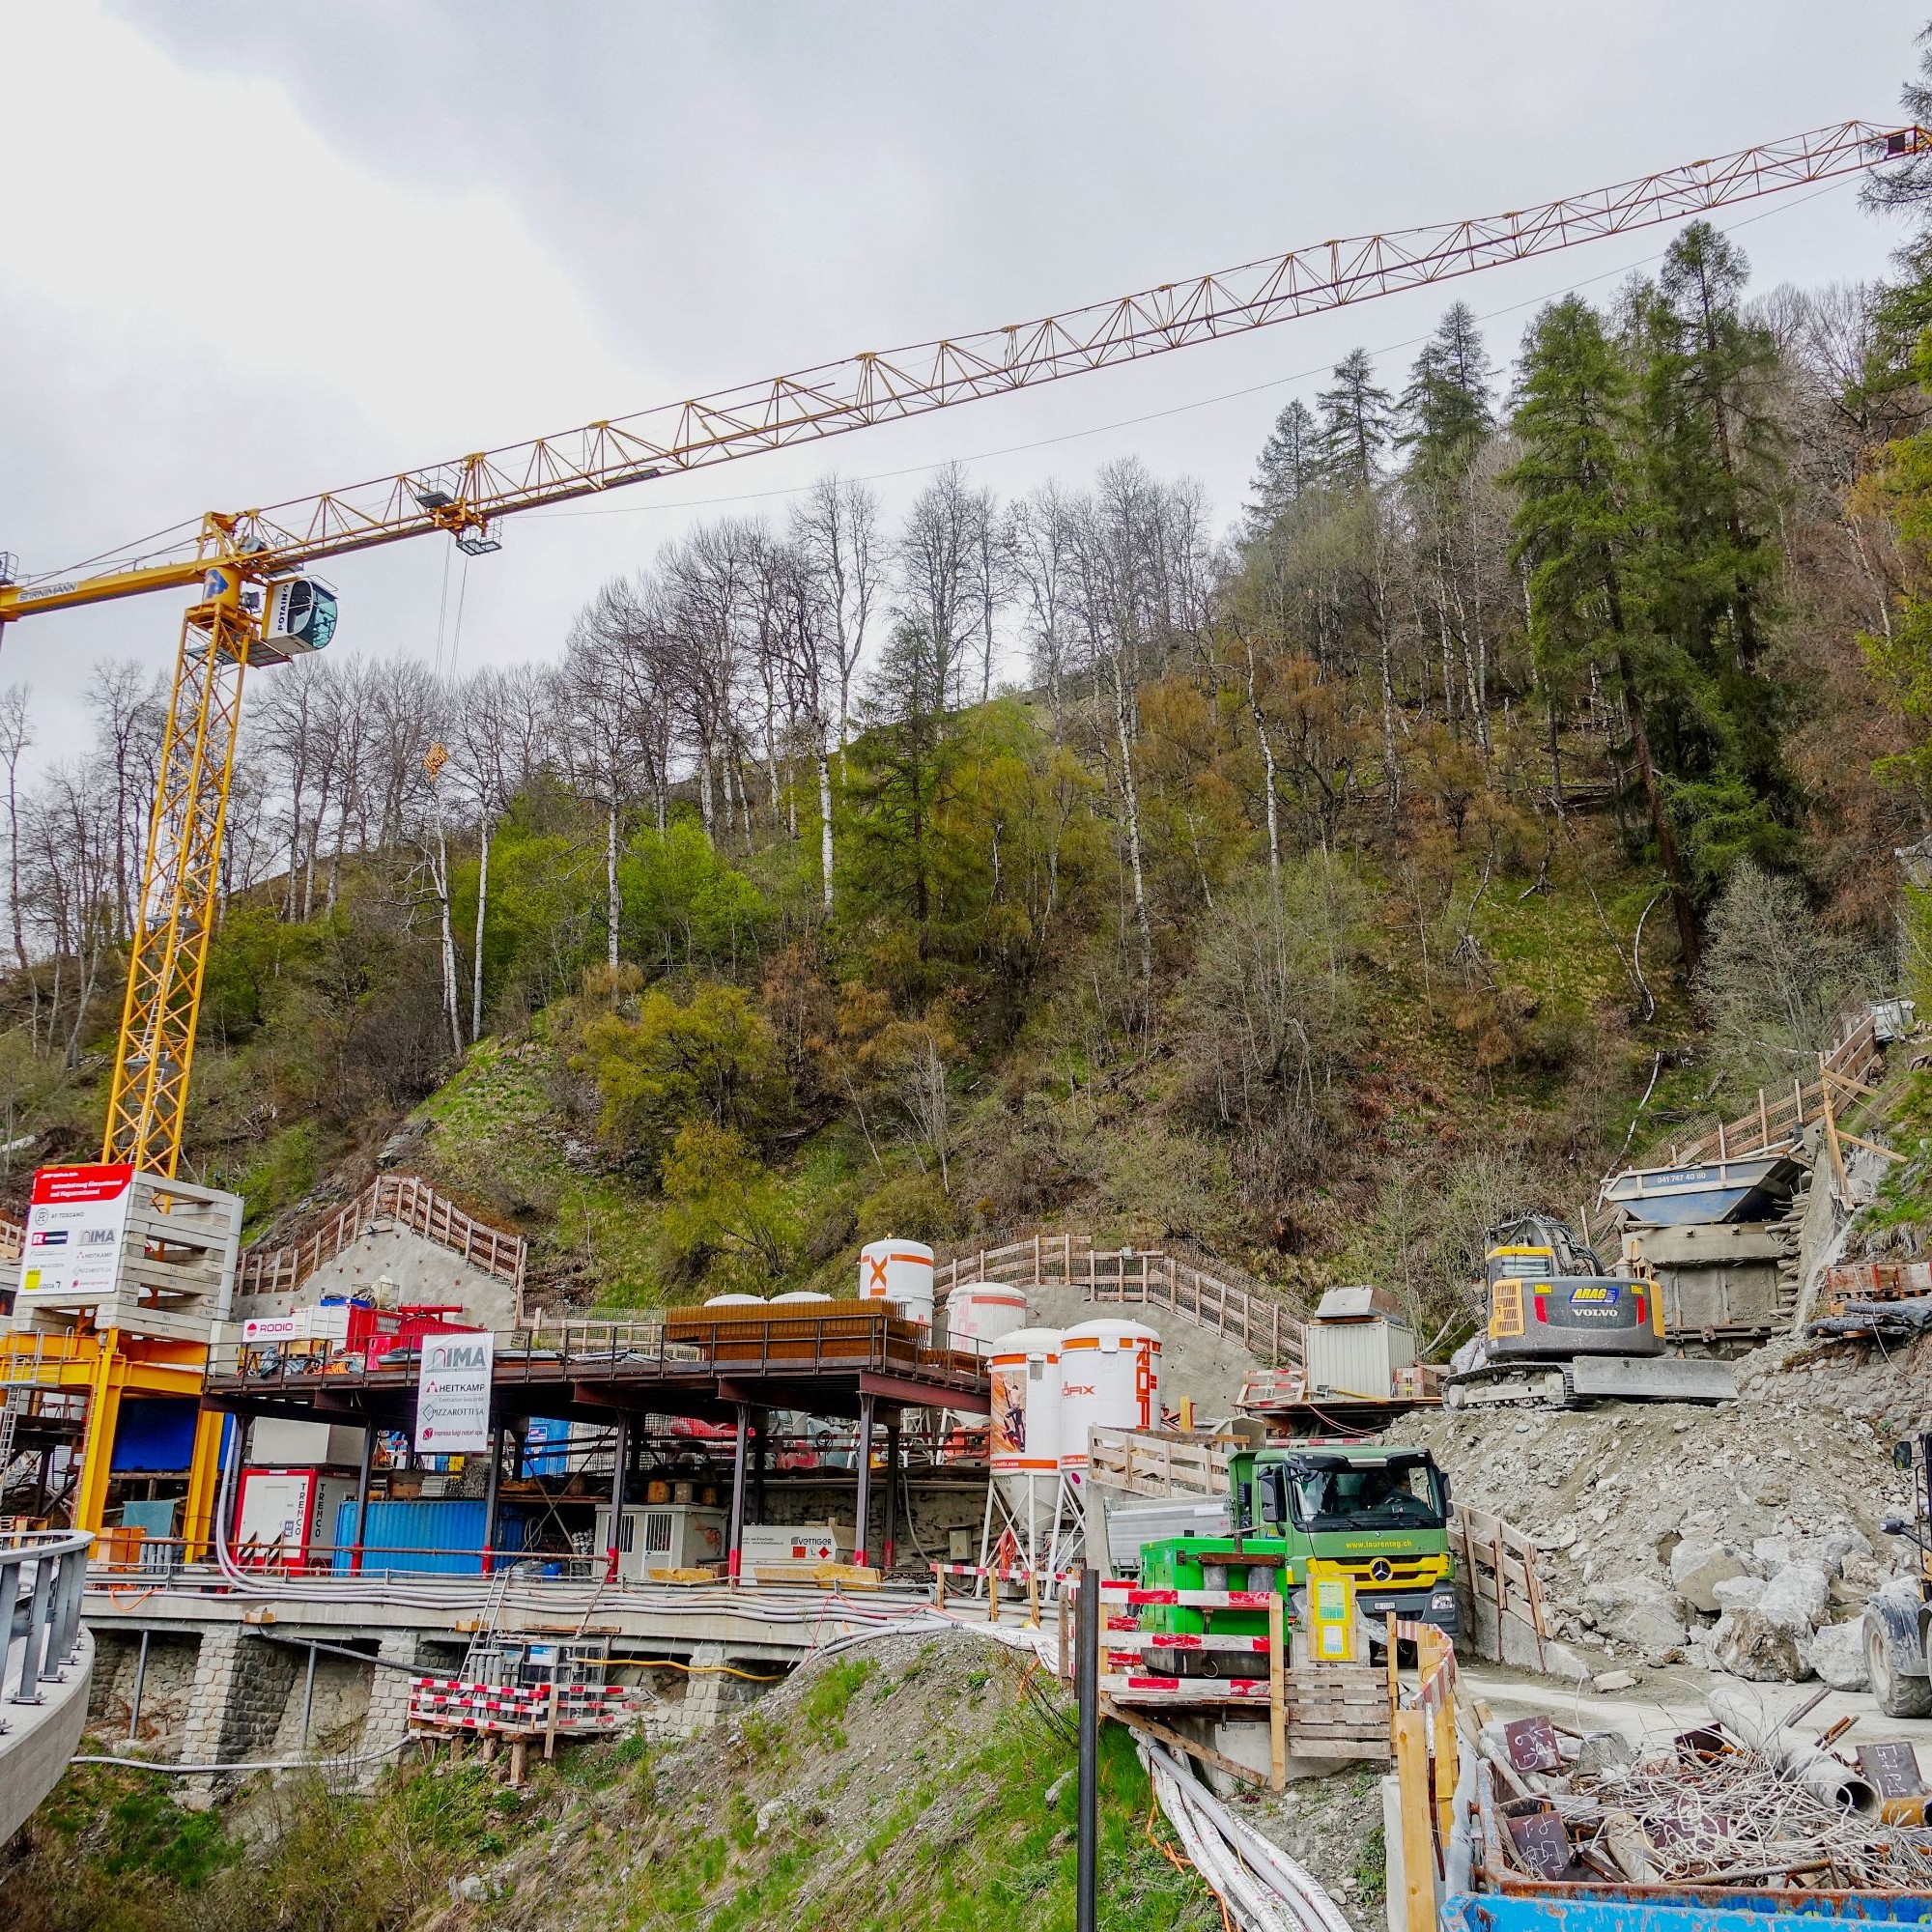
x=1516 y=774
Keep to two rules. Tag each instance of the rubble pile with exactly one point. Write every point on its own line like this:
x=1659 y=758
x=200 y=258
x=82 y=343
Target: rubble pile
x=1742 y=1538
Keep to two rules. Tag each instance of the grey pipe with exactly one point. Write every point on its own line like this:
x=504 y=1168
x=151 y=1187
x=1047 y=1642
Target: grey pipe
x=1818 y=1772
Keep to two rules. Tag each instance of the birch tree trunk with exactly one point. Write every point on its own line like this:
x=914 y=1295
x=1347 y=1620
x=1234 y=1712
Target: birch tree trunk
x=482 y=901
x=614 y=906
x=1268 y=768
x=1130 y=799
x=825 y=827
x=449 y=995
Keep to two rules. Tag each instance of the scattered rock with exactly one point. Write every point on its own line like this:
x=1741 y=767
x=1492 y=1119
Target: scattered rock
x=1739 y=1593
x=1059 y=1785
x=1837 y=1652
x=1614 y=1680
x=1749 y=1645
x=469 y=1889
x=1797 y=1598
x=1697 y=1568
x=1637 y=1611
x=1770 y=1554
x=1606 y=1750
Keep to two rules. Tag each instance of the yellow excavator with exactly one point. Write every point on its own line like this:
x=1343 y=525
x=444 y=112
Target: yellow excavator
x=1562 y=1332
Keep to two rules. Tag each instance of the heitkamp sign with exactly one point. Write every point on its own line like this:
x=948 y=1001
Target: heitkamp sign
x=453 y=1393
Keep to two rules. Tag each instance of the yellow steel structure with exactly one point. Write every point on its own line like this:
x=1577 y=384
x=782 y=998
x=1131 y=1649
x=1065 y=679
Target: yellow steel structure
x=180 y=880
x=106 y=1368
x=225 y=556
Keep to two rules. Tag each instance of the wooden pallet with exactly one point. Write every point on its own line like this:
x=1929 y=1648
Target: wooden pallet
x=1338 y=1710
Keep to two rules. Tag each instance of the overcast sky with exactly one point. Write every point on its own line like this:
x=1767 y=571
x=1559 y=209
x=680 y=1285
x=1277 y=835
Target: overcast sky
x=255 y=250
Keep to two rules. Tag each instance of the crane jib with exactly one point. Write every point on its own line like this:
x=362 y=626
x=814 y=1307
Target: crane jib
x=465 y=498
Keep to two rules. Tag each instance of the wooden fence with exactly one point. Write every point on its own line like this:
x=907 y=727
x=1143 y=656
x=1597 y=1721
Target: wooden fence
x=13 y=1239
x=1146 y=1462
x=1779 y=1120
x=404 y=1200
x=1496 y=1564
x=1139 y=1277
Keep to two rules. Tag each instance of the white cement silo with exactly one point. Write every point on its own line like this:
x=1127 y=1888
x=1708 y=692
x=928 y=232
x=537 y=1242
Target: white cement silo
x=900 y=1272
x=1109 y=1378
x=978 y=1311
x=1023 y=1442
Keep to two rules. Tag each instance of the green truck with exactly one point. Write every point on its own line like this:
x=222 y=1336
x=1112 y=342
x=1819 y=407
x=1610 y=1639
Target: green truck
x=1379 y=1512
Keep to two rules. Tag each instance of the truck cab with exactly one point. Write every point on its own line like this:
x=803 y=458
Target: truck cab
x=1378 y=1512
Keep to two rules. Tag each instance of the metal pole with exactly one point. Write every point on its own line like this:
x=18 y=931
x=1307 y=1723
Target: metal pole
x=490 y=1499
x=886 y=1534
x=733 y=1554
x=308 y=1694
x=362 y=1498
x=27 y=1688
x=1086 y=1687
x=140 y=1682
x=618 y=1473
x=862 y=1533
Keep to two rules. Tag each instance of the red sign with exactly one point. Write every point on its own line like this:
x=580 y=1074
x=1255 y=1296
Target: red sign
x=95 y=1181
x=76 y=1225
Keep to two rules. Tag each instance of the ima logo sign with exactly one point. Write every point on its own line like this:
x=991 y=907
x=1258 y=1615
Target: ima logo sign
x=447 y=1356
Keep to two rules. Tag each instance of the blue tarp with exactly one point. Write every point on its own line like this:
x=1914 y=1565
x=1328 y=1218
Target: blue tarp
x=155 y=1432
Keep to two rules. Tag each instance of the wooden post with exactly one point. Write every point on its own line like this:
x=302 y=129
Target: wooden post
x=1418 y=1847
x=519 y=1751
x=1763 y=1120
x=1394 y=1680
x=1277 y=1694
x=549 y=1713
x=1033 y=1597
x=1832 y=1141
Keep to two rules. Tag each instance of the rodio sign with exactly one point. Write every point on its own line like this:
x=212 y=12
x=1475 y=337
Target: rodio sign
x=453 y=1393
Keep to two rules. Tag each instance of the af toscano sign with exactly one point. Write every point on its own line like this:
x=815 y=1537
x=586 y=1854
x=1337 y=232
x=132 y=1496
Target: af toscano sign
x=453 y=1393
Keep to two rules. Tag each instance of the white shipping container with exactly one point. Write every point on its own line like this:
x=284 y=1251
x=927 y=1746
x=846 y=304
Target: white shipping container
x=1359 y=1358
x=662 y=1536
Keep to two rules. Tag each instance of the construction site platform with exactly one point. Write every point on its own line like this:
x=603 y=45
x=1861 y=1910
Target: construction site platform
x=691 y=1363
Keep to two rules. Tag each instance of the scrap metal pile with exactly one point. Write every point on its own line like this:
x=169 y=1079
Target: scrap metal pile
x=1744 y=1803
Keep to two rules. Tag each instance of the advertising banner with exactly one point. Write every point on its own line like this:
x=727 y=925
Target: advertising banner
x=453 y=1393
x=74 y=1226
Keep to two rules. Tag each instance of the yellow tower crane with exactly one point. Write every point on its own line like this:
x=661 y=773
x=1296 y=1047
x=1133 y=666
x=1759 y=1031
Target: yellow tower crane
x=255 y=603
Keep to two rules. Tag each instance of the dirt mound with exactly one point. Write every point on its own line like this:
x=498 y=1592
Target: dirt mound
x=1611 y=1496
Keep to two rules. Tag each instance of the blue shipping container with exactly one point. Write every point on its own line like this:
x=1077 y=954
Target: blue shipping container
x=442 y=1534
x=155 y=1432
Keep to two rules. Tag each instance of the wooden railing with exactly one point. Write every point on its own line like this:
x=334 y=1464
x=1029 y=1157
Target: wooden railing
x=1779 y=1120
x=1145 y=1277
x=407 y=1200
x=1497 y=1562
x=1151 y=1463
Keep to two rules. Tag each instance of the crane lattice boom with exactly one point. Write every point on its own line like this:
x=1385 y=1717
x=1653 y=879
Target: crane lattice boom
x=465 y=498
